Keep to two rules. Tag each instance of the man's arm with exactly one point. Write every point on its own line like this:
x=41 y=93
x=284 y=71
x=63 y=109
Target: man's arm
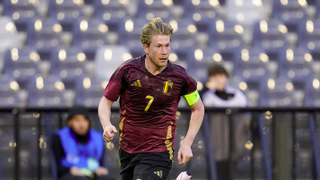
x=104 y=111
x=185 y=152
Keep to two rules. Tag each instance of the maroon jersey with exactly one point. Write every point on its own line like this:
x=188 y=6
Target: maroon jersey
x=148 y=104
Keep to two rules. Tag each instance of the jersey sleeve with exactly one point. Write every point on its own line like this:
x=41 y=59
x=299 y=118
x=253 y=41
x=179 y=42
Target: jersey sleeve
x=115 y=85
x=190 y=85
x=189 y=92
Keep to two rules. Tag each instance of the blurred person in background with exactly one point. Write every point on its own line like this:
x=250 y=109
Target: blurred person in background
x=79 y=149
x=220 y=94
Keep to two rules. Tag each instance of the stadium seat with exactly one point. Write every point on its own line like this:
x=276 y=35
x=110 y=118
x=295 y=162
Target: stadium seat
x=68 y=64
x=226 y=36
x=252 y=66
x=290 y=12
x=46 y=92
x=190 y=5
x=150 y=9
x=130 y=35
x=8 y=35
x=312 y=90
x=296 y=64
x=199 y=61
x=317 y=4
x=89 y=91
x=276 y=93
x=22 y=64
x=309 y=34
x=245 y=12
x=312 y=2
x=44 y=35
x=89 y=35
x=183 y=38
x=112 y=12
x=109 y=58
x=9 y=90
x=270 y=36
x=21 y=11
x=65 y=12
x=202 y=12
x=237 y=82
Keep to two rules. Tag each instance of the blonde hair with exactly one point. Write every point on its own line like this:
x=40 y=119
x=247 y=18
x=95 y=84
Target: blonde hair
x=155 y=27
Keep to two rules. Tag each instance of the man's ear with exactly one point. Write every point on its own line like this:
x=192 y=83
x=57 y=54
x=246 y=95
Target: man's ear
x=145 y=48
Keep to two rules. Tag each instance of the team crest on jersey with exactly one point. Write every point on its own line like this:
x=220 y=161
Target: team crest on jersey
x=167 y=87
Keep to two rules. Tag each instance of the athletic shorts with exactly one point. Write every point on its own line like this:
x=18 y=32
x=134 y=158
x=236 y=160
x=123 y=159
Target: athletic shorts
x=145 y=166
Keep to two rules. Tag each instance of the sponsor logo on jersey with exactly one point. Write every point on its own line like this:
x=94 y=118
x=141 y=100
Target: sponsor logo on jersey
x=136 y=83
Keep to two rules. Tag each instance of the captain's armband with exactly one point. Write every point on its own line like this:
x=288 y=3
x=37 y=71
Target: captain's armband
x=192 y=97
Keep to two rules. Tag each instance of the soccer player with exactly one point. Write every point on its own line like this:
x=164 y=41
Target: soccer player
x=150 y=87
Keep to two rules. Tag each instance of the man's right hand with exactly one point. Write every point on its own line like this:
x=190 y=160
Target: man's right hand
x=76 y=171
x=109 y=132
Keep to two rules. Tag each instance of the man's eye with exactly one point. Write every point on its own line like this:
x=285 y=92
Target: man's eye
x=167 y=45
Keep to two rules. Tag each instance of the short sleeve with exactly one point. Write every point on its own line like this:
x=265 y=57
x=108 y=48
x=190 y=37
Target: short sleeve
x=113 y=89
x=190 y=85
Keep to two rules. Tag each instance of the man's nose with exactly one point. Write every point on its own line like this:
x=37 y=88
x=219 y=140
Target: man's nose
x=164 y=50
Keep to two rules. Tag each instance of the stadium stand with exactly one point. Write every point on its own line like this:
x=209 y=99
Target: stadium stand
x=89 y=90
x=65 y=12
x=8 y=35
x=68 y=64
x=155 y=8
x=89 y=35
x=21 y=11
x=290 y=12
x=44 y=34
x=203 y=57
x=22 y=64
x=308 y=35
x=276 y=92
x=270 y=36
x=109 y=58
x=201 y=12
x=184 y=38
x=296 y=64
x=46 y=92
x=130 y=35
x=226 y=36
x=252 y=66
x=311 y=92
x=9 y=90
x=111 y=12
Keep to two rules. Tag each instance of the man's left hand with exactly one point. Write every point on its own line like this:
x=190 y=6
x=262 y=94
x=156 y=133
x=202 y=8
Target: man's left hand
x=101 y=171
x=184 y=154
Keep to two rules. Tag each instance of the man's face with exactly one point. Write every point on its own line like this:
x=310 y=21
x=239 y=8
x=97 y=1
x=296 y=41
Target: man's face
x=218 y=81
x=79 y=124
x=159 y=50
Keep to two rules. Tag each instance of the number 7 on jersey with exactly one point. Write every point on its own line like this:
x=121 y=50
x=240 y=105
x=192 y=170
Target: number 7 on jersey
x=149 y=103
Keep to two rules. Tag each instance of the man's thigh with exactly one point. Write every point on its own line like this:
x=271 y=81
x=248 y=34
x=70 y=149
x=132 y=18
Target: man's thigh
x=127 y=164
